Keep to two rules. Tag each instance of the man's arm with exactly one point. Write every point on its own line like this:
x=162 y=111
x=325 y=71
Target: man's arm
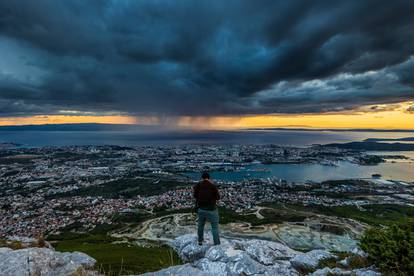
x=195 y=194
x=216 y=192
x=195 y=191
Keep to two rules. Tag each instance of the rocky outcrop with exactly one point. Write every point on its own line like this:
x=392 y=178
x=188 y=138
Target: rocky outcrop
x=248 y=257
x=233 y=257
x=310 y=260
x=44 y=261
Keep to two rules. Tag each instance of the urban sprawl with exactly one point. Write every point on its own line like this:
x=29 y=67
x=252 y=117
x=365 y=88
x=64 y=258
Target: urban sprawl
x=43 y=190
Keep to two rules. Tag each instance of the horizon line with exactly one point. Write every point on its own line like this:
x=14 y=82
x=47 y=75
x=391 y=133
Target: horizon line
x=284 y=128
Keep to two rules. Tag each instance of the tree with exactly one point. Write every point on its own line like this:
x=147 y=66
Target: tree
x=391 y=248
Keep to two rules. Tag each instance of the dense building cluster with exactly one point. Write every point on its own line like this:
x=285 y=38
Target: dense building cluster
x=43 y=190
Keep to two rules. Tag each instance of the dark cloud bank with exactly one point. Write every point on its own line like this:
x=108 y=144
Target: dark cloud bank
x=203 y=57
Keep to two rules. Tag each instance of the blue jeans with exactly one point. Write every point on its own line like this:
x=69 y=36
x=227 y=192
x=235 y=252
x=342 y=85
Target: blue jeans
x=211 y=216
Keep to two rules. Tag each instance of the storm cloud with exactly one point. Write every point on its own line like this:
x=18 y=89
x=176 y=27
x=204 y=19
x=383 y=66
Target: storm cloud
x=202 y=58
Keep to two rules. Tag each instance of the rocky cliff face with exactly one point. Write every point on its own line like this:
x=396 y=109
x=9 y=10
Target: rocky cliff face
x=249 y=257
x=35 y=261
x=232 y=257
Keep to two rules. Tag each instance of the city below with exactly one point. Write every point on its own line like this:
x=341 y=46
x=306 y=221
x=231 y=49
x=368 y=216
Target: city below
x=44 y=191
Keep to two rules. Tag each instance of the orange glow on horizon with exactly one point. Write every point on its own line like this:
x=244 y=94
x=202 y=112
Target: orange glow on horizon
x=385 y=120
x=397 y=118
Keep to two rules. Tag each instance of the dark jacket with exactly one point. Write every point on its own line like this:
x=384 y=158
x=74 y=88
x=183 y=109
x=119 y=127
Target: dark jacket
x=206 y=195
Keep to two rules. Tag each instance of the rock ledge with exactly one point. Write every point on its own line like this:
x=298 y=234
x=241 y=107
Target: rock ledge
x=44 y=261
x=247 y=257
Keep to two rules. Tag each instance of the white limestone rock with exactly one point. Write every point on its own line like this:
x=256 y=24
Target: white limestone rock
x=326 y=271
x=281 y=268
x=44 y=261
x=310 y=260
x=188 y=249
x=79 y=258
x=365 y=272
x=233 y=257
x=216 y=268
x=236 y=257
x=242 y=264
x=4 y=250
x=217 y=253
x=192 y=253
x=267 y=252
x=185 y=270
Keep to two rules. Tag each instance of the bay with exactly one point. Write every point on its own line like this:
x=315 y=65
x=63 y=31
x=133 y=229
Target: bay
x=402 y=171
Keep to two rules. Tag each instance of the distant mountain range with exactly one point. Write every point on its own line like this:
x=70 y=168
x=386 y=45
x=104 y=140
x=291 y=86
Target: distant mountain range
x=407 y=139
x=374 y=146
x=334 y=129
x=78 y=127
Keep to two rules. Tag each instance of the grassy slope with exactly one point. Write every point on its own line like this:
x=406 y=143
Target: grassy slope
x=116 y=258
x=270 y=216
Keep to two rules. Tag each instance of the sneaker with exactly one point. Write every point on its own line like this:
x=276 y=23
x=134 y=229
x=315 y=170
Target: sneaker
x=200 y=243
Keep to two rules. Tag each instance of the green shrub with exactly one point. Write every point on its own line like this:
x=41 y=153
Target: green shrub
x=15 y=245
x=354 y=261
x=391 y=249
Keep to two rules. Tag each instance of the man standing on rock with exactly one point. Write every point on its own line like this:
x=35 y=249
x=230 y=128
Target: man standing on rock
x=206 y=195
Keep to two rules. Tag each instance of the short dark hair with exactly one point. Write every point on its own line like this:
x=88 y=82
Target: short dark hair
x=205 y=175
